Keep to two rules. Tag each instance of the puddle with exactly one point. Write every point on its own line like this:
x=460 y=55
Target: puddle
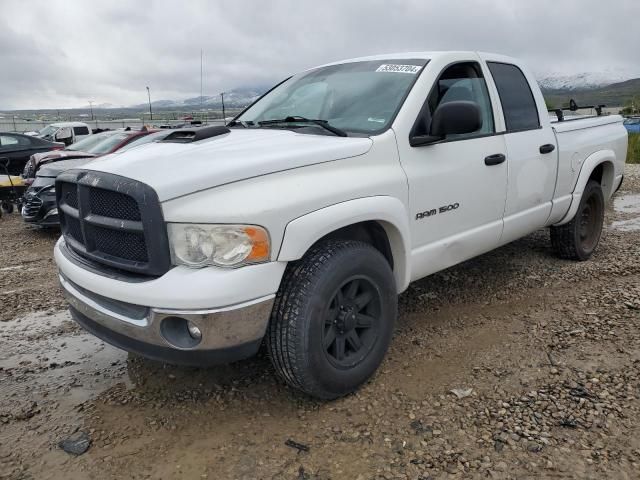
x=46 y=354
x=632 y=225
x=627 y=205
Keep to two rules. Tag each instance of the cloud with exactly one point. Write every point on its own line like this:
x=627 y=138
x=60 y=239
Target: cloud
x=62 y=53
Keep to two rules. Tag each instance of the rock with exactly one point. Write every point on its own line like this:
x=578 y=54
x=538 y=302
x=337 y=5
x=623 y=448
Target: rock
x=461 y=393
x=76 y=444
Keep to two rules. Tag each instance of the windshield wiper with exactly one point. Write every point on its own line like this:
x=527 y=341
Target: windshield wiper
x=296 y=119
x=240 y=123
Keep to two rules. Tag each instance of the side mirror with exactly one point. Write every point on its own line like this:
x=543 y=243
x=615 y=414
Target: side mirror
x=455 y=118
x=451 y=118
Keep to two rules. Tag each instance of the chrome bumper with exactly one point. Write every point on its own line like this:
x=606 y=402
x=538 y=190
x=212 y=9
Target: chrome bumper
x=115 y=322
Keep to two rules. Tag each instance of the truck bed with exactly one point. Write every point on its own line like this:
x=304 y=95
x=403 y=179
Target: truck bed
x=578 y=138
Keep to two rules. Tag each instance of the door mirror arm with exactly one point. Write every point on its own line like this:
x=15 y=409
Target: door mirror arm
x=420 y=140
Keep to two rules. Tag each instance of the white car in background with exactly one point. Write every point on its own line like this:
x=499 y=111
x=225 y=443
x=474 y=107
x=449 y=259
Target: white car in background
x=65 y=132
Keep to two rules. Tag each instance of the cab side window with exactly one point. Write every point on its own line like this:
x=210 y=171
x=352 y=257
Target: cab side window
x=463 y=81
x=81 y=130
x=519 y=106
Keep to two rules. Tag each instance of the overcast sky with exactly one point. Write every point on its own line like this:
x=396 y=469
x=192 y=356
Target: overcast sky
x=57 y=54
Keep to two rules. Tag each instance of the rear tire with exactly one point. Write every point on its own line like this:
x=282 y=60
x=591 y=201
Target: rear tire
x=578 y=239
x=7 y=207
x=333 y=318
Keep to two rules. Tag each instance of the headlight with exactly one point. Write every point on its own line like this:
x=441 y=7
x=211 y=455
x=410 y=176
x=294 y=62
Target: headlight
x=199 y=245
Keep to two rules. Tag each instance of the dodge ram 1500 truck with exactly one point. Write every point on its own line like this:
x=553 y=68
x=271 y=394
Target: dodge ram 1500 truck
x=300 y=222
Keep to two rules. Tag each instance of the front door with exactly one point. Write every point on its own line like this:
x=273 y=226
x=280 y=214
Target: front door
x=457 y=187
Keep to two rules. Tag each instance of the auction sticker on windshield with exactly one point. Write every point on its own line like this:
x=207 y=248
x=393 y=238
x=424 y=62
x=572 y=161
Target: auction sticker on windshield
x=391 y=68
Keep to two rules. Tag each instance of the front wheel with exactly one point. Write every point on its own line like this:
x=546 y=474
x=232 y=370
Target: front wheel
x=333 y=318
x=578 y=239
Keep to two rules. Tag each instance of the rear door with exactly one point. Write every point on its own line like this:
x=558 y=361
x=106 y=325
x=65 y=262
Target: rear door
x=531 y=153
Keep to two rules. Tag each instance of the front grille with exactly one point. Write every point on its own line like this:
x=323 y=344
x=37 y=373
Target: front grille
x=113 y=220
x=31 y=205
x=127 y=245
x=113 y=205
x=73 y=228
x=69 y=193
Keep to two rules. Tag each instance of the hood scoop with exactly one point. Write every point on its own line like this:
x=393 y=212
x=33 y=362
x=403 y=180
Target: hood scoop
x=190 y=136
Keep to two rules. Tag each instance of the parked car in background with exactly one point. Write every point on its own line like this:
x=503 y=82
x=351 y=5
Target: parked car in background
x=632 y=124
x=39 y=203
x=65 y=132
x=93 y=146
x=17 y=148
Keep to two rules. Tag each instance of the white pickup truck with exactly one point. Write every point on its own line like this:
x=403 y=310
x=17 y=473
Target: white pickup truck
x=300 y=222
x=65 y=132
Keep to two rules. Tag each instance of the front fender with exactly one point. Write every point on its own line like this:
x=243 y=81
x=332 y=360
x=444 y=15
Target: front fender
x=605 y=157
x=300 y=234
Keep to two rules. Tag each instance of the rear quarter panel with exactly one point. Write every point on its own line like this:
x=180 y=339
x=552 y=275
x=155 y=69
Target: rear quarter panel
x=576 y=145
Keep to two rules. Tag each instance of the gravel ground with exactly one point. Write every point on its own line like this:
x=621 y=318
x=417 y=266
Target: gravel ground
x=512 y=365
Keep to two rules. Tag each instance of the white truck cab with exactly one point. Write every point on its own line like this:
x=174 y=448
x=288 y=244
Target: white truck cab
x=299 y=223
x=65 y=132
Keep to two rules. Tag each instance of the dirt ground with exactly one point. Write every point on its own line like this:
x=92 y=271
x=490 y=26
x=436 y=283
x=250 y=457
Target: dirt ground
x=544 y=353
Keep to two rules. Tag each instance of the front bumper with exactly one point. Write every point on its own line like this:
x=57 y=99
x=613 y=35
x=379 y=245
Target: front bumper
x=40 y=210
x=227 y=334
x=149 y=316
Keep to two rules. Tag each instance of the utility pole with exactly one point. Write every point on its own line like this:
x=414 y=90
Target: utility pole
x=91 y=107
x=201 y=99
x=224 y=116
x=150 y=112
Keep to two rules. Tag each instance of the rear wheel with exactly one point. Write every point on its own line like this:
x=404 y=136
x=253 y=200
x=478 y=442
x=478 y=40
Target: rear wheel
x=7 y=207
x=333 y=318
x=578 y=239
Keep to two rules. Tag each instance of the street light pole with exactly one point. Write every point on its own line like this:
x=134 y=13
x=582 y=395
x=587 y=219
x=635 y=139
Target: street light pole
x=91 y=107
x=224 y=116
x=150 y=112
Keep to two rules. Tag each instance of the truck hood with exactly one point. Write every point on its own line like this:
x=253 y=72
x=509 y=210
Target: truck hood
x=177 y=169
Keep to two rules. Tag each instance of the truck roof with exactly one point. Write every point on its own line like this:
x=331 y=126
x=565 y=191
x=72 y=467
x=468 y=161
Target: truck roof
x=426 y=55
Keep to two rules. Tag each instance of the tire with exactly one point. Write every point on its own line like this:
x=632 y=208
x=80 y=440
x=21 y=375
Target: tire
x=314 y=345
x=7 y=207
x=578 y=239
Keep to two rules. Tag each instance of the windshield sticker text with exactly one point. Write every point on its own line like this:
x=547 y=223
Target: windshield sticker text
x=391 y=68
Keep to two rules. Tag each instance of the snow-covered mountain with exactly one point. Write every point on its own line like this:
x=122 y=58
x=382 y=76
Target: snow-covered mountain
x=236 y=98
x=581 y=81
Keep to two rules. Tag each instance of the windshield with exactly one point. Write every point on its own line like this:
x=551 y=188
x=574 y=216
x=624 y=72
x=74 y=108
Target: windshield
x=48 y=131
x=152 y=137
x=357 y=97
x=86 y=143
x=108 y=144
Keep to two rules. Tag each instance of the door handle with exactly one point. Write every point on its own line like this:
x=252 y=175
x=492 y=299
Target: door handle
x=547 y=148
x=495 y=159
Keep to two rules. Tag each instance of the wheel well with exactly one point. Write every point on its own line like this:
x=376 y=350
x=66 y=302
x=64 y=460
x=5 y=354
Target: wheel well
x=597 y=174
x=604 y=175
x=370 y=232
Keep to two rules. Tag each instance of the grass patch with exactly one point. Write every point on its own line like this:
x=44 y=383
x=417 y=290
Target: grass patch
x=633 y=154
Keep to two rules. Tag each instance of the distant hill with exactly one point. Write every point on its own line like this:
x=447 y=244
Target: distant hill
x=613 y=95
x=236 y=98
